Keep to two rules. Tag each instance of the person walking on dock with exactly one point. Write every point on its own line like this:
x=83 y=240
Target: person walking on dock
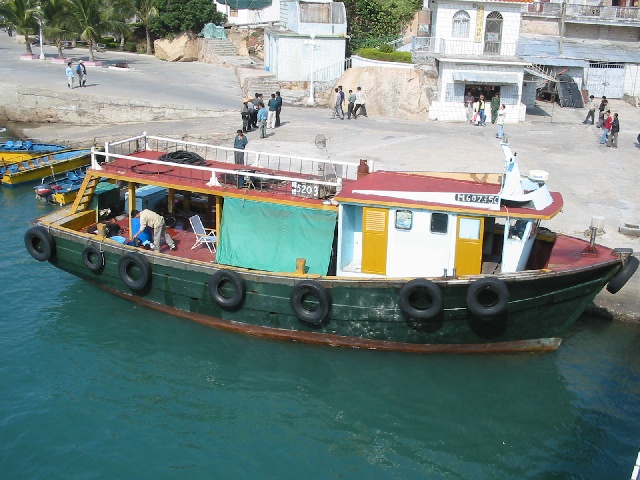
x=593 y=105
x=70 y=77
x=81 y=70
x=613 y=133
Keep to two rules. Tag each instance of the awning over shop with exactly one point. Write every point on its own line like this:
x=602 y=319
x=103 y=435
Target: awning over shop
x=267 y=236
x=490 y=78
x=246 y=4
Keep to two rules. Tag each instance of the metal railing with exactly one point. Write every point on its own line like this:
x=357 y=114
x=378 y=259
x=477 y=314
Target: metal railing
x=273 y=167
x=332 y=72
x=444 y=46
x=595 y=13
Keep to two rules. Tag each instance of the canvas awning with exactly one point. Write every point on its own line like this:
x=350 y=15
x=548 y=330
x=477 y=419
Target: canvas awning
x=268 y=236
x=246 y=4
x=490 y=78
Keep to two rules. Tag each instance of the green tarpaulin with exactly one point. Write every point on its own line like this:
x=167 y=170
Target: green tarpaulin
x=244 y=4
x=266 y=236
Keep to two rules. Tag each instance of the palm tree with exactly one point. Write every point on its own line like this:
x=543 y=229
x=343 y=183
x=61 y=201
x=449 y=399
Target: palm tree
x=24 y=14
x=90 y=19
x=145 y=11
x=56 y=22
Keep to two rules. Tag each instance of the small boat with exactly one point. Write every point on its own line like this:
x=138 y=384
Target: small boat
x=61 y=190
x=41 y=166
x=12 y=151
x=338 y=253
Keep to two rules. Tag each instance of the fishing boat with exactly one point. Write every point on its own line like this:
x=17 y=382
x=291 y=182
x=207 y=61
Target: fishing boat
x=41 y=166
x=60 y=189
x=338 y=253
x=13 y=151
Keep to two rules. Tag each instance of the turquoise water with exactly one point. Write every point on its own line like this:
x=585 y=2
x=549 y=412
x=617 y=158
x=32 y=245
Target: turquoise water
x=94 y=387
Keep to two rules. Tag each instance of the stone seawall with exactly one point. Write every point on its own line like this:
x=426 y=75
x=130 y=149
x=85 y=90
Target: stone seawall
x=38 y=105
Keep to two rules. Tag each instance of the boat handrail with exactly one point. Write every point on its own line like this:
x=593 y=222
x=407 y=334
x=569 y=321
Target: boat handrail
x=225 y=154
x=244 y=170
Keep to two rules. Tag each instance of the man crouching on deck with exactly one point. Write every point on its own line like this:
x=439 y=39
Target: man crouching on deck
x=149 y=218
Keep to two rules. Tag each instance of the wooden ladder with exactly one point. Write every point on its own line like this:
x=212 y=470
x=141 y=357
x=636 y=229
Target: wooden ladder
x=85 y=193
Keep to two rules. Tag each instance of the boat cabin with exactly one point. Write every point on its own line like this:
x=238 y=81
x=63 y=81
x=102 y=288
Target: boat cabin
x=397 y=224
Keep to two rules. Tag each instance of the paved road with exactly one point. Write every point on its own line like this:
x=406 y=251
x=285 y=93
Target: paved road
x=593 y=179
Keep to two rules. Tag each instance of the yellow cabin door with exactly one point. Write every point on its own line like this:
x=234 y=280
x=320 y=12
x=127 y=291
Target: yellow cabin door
x=469 y=245
x=374 y=240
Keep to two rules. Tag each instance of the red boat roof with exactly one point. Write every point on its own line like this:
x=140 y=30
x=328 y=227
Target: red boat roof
x=432 y=191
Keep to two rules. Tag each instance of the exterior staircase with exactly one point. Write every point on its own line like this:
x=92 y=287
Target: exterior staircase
x=221 y=47
x=85 y=193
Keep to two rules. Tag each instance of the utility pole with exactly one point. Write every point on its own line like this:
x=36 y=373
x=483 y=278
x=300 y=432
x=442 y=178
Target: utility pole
x=563 y=16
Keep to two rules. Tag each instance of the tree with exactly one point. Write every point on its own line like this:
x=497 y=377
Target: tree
x=146 y=10
x=24 y=15
x=190 y=15
x=374 y=22
x=56 y=23
x=90 y=19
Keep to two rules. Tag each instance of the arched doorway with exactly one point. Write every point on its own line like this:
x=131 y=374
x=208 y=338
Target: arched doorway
x=493 y=33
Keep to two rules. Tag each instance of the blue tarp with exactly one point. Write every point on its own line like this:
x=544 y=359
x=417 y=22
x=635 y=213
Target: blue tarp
x=270 y=237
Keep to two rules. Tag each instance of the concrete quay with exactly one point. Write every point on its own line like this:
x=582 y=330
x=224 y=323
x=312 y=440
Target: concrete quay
x=593 y=179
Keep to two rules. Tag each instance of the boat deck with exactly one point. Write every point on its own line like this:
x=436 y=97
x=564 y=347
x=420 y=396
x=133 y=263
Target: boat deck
x=183 y=237
x=567 y=253
x=216 y=178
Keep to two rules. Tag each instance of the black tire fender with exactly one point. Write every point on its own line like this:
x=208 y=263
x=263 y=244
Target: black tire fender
x=623 y=276
x=129 y=260
x=93 y=258
x=239 y=288
x=488 y=297
x=40 y=244
x=428 y=290
x=311 y=288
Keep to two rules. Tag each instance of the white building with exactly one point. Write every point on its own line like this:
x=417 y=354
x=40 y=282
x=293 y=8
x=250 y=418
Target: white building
x=313 y=39
x=250 y=12
x=474 y=45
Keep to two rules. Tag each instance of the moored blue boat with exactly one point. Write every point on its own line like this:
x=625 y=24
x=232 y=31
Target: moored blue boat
x=41 y=166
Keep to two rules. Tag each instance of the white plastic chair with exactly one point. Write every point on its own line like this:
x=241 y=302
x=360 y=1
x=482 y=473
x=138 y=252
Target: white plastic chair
x=203 y=235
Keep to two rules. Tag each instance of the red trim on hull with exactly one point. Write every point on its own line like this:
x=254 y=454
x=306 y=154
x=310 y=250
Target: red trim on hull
x=541 y=344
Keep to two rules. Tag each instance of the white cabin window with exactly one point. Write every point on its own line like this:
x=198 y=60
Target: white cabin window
x=233 y=12
x=461 y=22
x=404 y=219
x=469 y=228
x=439 y=223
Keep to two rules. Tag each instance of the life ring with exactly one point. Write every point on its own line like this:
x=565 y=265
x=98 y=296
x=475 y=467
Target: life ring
x=488 y=297
x=239 y=289
x=93 y=258
x=40 y=244
x=623 y=276
x=310 y=288
x=129 y=260
x=410 y=303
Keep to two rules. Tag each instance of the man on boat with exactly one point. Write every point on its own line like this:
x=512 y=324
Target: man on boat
x=149 y=218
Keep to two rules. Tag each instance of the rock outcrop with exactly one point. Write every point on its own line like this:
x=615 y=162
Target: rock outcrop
x=182 y=48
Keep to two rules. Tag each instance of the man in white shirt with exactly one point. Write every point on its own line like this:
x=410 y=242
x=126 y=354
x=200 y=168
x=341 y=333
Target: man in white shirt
x=593 y=105
x=149 y=218
x=359 y=103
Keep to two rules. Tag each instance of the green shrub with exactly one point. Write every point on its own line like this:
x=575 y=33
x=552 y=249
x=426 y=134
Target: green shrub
x=375 y=54
x=130 y=47
x=141 y=47
x=385 y=48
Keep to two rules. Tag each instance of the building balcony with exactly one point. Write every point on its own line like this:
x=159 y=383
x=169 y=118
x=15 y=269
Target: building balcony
x=593 y=14
x=443 y=47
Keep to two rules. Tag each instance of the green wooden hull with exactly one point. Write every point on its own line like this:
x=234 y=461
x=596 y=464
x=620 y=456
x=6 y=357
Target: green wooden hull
x=363 y=313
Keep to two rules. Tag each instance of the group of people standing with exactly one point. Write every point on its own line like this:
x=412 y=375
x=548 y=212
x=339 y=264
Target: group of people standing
x=80 y=70
x=609 y=123
x=256 y=114
x=355 y=104
x=476 y=111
